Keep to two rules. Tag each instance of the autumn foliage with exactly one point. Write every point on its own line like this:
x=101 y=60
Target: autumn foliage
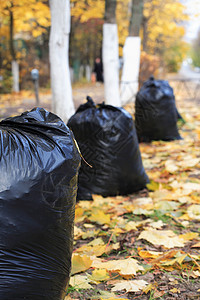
x=161 y=34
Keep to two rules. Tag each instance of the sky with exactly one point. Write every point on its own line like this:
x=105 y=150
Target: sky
x=193 y=25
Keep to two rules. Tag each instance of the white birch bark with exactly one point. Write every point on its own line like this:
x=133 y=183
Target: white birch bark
x=15 y=76
x=111 y=64
x=130 y=70
x=62 y=102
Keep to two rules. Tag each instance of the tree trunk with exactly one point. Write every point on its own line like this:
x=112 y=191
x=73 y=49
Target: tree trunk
x=14 y=63
x=136 y=17
x=131 y=55
x=15 y=76
x=110 y=11
x=62 y=102
x=111 y=55
x=145 y=34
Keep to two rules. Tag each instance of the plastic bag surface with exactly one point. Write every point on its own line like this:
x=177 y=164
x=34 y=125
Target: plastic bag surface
x=155 y=112
x=108 y=141
x=39 y=165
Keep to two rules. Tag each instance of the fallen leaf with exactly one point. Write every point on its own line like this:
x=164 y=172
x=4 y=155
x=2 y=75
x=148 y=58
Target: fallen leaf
x=114 y=298
x=98 y=275
x=79 y=217
x=125 y=267
x=80 y=263
x=77 y=232
x=96 y=242
x=171 y=167
x=157 y=225
x=80 y=282
x=167 y=205
x=191 y=186
x=107 y=295
x=165 y=238
x=149 y=254
x=189 y=236
x=99 y=217
x=196 y=245
x=175 y=291
x=194 y=212
x=92 y=250
x=178 y=260
x=130 y=285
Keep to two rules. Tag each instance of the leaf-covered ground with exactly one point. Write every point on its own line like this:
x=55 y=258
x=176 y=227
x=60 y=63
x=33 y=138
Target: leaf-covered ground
x=145 y=245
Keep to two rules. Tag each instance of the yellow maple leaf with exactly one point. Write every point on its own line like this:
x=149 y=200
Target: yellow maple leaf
x=175 y=290
x=113 y=298
x=99 y=217
x=178 y=260
x=97 y=250
x=77 y=232
x=125 y=267
x=80 y=282
x=80 y=263
x=189 y=236
x=130 y=285
x=194 y=211
x=96 y=242
x=170 y=166
x=79 y=217
x=98 y=275
x=68 y=297
x=196 y=245
x=165 y=238
x=149 y=254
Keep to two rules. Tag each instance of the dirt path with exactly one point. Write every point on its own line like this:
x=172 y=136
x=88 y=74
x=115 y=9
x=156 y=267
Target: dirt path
x=16 y=104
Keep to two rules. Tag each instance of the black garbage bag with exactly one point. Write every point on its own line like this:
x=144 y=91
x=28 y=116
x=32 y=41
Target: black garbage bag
x=156 y=114
x=108 y=141
x=39 y=163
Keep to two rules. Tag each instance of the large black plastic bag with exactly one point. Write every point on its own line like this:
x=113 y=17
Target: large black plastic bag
x=107 y=139
x=38 y=184
x=155 y=112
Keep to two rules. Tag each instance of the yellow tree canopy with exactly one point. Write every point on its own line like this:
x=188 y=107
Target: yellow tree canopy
x=31 y=17
x=85 y=10
x=164 y=23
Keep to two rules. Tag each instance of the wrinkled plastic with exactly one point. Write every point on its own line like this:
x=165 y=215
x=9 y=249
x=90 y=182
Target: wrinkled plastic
x=39 y=163
x=156 y=114
x=107 y=139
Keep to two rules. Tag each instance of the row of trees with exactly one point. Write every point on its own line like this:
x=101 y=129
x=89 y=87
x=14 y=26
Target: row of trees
x=26 y=26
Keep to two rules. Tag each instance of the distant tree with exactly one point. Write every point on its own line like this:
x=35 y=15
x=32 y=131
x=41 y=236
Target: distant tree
x=111 y=55
x=196 y=51
x=21 y=19
x=131 y=54
x=62 y=102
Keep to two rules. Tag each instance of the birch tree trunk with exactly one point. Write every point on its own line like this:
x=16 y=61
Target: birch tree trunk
x=111 y=55
x=62 y=102
x=131 y=55
x=15 y=76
